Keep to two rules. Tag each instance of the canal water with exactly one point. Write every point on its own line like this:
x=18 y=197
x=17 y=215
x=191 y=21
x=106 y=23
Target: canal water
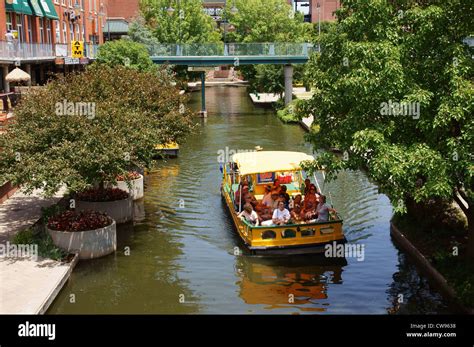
x=180 y=255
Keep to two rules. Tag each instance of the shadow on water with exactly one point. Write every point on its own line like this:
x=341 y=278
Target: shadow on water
x=182 y=244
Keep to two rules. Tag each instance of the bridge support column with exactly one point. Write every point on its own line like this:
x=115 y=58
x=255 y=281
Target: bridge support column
x=203 y=112
x=288 y=83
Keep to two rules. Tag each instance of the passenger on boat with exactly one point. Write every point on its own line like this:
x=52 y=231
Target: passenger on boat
x=281 y=215
x=276 y=186
x=275 y=200
x=265 y=214
x=295 y=214
x=267 y=197
x=297 y=200
x=323 y=210
x=285 y=196
x=245 y=192
x=306 y=186
x=249 y=215
x=310 y=203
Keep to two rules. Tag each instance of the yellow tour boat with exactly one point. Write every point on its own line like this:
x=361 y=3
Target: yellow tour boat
x=260 y=169
x=170 y=149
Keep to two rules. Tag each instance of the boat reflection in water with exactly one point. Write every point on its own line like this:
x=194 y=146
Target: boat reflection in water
x=288 y=282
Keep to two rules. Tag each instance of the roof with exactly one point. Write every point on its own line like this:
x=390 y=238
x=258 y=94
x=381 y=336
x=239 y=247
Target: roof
x=116 y=26
x=19 y=6
x=269 y=161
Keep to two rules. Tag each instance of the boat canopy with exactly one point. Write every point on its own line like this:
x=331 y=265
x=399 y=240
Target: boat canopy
x=269 y=161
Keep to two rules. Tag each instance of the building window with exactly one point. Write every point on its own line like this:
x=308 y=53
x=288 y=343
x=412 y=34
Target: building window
x=64 y=32
x=78 y=32
x=9 y=21
x=71 y=31
x=29 y=19
x=57 y=27
x=41 y=30
x=90 y=6
x=19 y=28
x=48 y=31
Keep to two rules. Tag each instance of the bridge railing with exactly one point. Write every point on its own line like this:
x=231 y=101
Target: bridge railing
x=232 y=49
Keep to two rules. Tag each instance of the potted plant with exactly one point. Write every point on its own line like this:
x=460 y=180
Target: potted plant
x=91 y=234
x=115 y=202
x=132 y=183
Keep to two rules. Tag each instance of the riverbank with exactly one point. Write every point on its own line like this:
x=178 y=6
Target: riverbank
x=29 y=285
x=440 y=255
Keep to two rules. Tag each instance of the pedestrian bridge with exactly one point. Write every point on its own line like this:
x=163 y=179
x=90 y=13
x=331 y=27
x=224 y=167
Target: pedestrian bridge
x=216 y=54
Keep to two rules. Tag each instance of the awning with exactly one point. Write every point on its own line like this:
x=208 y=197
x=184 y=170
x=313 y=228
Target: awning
x=48 y=9
x=18 y=6
x=260 y=162
x=35 y=6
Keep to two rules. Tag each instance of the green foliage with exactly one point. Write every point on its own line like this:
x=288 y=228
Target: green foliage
x=125 y=53
x=382 y=51
x=133 y=111
x=46 y=247
x=266 y=21
x=139 y=32
x=292 y=113
x=194 y=26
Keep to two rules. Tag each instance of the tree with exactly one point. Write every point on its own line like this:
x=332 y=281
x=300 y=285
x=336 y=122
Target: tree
x=394 y=91
x=141 y=33
x=266 y=21
x=186 y=24
x=84 y=129
x=126 y=53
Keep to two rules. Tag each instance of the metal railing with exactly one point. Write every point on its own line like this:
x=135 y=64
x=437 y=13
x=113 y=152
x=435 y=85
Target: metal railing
x=231 y=49
x=40 y=51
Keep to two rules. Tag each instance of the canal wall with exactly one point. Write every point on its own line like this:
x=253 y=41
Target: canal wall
x=424 y=266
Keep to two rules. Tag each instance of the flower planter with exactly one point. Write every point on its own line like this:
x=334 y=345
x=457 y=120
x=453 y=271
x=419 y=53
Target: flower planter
x=120 y=210
x=88 y=244
x=135 y=189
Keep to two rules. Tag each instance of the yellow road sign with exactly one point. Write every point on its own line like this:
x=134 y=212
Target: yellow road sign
x=77 y=49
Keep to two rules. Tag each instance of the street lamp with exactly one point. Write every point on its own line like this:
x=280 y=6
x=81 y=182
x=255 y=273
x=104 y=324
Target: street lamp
x=233 y=11
x=319 y=26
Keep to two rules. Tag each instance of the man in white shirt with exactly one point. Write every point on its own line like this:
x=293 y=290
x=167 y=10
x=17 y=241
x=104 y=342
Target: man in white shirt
x=281 y=215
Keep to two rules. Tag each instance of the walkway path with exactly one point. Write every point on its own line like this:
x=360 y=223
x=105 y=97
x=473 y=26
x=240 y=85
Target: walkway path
x=27 y=286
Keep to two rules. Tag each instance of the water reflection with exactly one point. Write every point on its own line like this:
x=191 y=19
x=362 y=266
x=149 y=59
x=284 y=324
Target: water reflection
x=280 y=283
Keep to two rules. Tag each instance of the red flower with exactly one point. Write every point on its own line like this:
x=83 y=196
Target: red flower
x=83 y=221
x=102 y=195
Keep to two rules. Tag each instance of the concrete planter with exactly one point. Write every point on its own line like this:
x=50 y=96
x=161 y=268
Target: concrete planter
x=88 y=244
x=135 y=190
x=121 y=210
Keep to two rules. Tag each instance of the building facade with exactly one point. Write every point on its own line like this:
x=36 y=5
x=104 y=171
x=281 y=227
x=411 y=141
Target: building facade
x=43 y=31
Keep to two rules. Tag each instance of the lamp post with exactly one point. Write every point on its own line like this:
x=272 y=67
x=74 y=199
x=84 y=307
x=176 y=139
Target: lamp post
x=234 y=10
x=319 y=26
x=170 y=11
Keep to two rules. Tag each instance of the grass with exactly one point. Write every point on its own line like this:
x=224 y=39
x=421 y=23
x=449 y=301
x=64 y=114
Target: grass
x=46 y=247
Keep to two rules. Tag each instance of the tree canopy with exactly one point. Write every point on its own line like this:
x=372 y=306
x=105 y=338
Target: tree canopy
x=126 y=53
x=186 y=24
x=83 y=129
x=394 y=91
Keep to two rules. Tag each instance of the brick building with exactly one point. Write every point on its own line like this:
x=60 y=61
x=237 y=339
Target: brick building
x=43 y=31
